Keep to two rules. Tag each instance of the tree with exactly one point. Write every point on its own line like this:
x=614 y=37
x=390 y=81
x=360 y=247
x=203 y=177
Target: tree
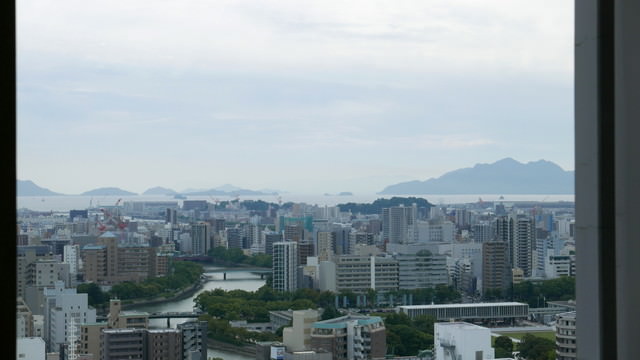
x=330 y=312
x=503 y=346
x=536 y=348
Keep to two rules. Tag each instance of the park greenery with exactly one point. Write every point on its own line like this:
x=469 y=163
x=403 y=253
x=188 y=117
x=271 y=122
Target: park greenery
x=406 y=336
x=535 y=293
x=182 y=274
x=537 y=348
x=503 y=347
x=220 y=255
x=379 y=204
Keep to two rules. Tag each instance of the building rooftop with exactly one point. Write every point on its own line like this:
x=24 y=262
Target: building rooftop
x=341 y=322
x=435 y=306
x=460 y=325
x=94 y=247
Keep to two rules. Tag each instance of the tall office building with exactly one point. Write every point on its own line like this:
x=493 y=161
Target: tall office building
x=482 y=232
x=285 y=266
x=326 y=245
x=200 y=238
x=524 y=244
x=399 y=224
x=270 y=238
x=496 y=271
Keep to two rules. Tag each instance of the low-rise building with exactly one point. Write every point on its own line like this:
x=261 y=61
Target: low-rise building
x=461 y=340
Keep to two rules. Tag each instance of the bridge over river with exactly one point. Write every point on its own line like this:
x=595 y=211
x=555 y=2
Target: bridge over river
x=262 y=272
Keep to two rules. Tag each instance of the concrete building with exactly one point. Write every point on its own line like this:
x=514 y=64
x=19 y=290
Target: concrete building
x=270 y=238
x=71 y=256
x=361 y=273
x=421 y=270
x=109 y=262
x=200 y=238
x=496 y=271
x=482 y=232
x=559 y=265
x=351 y=337
x=326 y=245
x=461 y=340
x=436 y=231
x=399 y=224
x=164 y=344
x=30 y=348
x=123 y=344
x=566 y=336
x=64 y=308
x=298 y=336
x=285 y=266
x=194 y=340
x=24 y=320
x=488 y=312
x=119 y=319
x=27 y=256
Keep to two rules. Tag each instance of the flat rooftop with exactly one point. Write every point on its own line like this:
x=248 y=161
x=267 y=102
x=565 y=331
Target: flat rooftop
x=435 y=306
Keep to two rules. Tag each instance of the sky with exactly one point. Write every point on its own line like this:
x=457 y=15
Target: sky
x=298 y=96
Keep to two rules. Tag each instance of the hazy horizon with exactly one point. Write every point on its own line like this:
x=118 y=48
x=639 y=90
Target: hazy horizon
x=328 y=97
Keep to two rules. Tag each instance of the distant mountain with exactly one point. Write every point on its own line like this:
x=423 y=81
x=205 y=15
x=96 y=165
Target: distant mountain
x=159 y=191
x=108 y=191
x=216 y=192
x=28 y=188
x=506 y=176
x=227 y=188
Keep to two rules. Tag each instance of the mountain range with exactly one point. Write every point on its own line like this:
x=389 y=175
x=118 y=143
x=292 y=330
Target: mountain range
x=28 y=188
x=506 y=176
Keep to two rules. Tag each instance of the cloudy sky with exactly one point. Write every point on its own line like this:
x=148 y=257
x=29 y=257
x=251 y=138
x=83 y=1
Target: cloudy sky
x=301 y=96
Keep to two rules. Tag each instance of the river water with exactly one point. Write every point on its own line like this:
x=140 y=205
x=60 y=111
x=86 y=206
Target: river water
x=236 y=280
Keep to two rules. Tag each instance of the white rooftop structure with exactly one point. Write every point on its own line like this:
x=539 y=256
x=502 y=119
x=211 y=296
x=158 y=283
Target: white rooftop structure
x=489 y=311
x=461 y=340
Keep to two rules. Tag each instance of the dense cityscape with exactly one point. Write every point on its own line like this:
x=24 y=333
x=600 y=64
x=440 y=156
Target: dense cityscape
x=398 y=278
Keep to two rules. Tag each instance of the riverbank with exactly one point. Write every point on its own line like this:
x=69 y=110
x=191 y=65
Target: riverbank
x=183 y=294
x=246 y=350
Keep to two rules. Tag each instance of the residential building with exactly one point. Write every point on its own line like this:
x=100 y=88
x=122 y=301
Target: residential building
x=285 y=266
x=194 y=340
x=121 y=344
x=351 y=337
x=164 y=344
x=496 y=271
x=566 y=336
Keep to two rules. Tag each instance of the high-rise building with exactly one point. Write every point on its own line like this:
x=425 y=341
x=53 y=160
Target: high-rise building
x=64 y=308
x=524 y=244
x=200 y=238
x=482 y=232
x=171 y=216
x=399 y=224
x=326 y=245
x=234 y=238
x=285 y=266
x=270 y=238
x=27 y=256
x=496 y=271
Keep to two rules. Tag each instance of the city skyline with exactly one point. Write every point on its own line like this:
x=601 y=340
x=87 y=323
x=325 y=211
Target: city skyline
x=328 y=98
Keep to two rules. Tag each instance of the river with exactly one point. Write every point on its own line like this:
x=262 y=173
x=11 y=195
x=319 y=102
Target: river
x=236 y=280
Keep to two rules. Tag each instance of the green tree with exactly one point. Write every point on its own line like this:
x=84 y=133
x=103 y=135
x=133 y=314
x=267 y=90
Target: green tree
x=536 y=348
x=94 y=293
x=330 y=312
x=504 y=342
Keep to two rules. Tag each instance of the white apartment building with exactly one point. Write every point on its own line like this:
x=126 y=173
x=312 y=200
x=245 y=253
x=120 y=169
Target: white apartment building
x=60 y=307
